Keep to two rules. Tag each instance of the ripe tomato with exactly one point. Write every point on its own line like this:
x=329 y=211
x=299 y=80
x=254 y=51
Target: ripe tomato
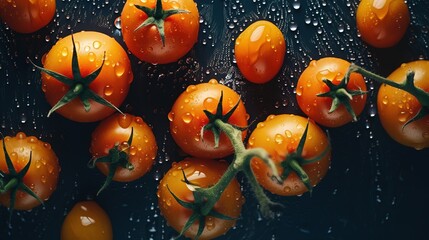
x=27 y=16
x=112 y=83
x=396 y=107
x=280 y=135
x=382 y=24
x=87 y=221
x=187 y=118
x=310 y=84
x=259 y=51
x=204 y=173
x=42 y=175
x=178 y=35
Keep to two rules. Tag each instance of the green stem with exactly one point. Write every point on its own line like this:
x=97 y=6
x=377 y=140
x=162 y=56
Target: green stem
x=11 y=184
x=158 y=10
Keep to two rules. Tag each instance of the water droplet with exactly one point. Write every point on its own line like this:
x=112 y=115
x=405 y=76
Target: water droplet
x=187 y=117
x=96 y=44
x=287 y=189
x=296 y=4
x=293 y=26
x=288 y=133
x=64 y=52
x=278 y=138
x=119 y=69
x=191 y=88
x=171 y=116
x=43 y=179
x=108 y=90
x=117 y=23
x=125 y=120
x=91 y=56
x=210 y=104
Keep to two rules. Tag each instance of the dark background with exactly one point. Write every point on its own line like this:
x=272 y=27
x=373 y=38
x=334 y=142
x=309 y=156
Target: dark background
x=375 y=189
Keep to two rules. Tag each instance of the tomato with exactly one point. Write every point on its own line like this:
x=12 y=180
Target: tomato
x=310 y=84
x=25 y=16
x=113 y=133
x=396 y=107
x=280 y=135
x=204 y=173
x=382 y=24
x=187 y=118
x=112 y=82
x=179 y=29
x=41 y=177
x=87 y=221
x=259 y=51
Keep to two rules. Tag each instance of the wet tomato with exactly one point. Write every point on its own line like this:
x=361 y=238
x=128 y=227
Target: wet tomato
x=259 y=51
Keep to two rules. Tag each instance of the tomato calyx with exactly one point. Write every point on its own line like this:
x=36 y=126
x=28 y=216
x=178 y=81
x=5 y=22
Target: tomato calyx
x=78 y=84
x=118 y=156
x=156 y=16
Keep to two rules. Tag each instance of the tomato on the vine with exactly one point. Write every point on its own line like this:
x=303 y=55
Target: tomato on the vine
x=199 y=173
x=187 y=119
x=280 y=136
x=160 y=31
x=27 y=16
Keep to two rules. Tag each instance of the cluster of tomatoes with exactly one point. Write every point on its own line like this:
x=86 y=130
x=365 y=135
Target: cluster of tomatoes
x=285 y=154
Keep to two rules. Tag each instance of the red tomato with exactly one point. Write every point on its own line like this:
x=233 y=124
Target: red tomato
x=187 y=118
x=27 y=16
x=42 y=175
x=259 y=51
x=396 y=107
x=382 y=24
x=87 y=221
x=279 y=135
x=310 y=84
x=204 y=173
x=180 y=30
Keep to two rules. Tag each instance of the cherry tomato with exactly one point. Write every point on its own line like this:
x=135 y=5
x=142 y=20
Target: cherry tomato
x=259 y=51
x=279 y=135
x=187 y=118
x=382 y=24
x=204 y=173
x=112 y=83
x=87 y=221
x=42 y=175
x=25 y=16
x=180 y=30
x=396 y=107
x=310 y=83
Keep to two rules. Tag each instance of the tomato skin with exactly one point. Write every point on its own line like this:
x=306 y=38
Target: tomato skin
x=382 y=24
x=396 y=107
x=181 y=31
x=42 y=176
x=116 y=129
x=87 y=221
x=204 y=173
x=259 y=51
x=187 y=118
x=310 y=84
x=112 y=83
x=27 y=16
x=279 y=135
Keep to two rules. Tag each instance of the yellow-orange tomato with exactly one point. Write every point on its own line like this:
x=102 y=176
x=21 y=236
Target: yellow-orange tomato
x=259 y=51
x=396 y=107
x=87 y=221
x=382 y=23
x=27 y=16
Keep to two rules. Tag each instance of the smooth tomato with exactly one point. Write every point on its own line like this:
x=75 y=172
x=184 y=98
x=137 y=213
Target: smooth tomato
x=42 y=176
x=180 y=30
x=87 y=221
x=382 y=24
x=396 y=107
x=259 y=51
x=204 y=173
x=187 y=118
x=279 y=135
x=25 y=16
x=310 y=83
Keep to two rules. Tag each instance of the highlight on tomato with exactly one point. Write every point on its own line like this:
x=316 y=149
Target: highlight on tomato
x=27 y=16
x=300 y=149
x=160 y=31
x=86 y=76
x=259 y=51
x=29 y=171
x=382 y=24
x=326 y=96
x=123 y=147
x=188 y=119
x=87 y=221
x=180 y=204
